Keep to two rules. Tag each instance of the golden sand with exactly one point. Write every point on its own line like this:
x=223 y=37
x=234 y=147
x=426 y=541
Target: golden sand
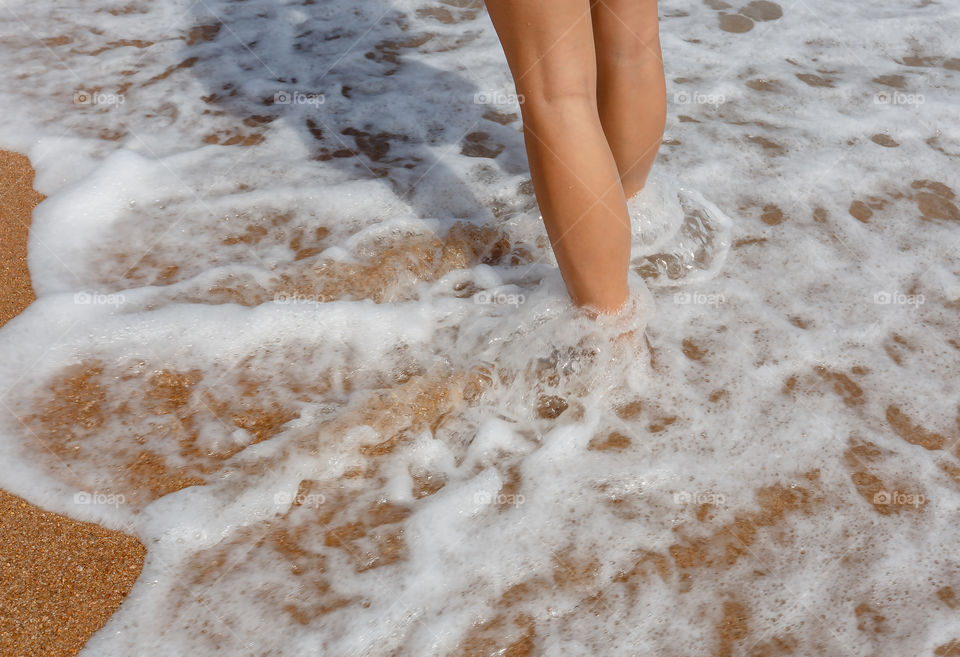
x=61 y=579
x=17 y=200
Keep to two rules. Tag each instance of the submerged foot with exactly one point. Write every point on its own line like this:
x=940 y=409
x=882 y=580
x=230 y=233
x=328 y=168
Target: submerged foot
x=678 y=236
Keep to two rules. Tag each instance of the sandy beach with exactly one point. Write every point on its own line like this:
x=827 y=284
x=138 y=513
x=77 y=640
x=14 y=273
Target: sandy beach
x=61 y=579
x=293 y=324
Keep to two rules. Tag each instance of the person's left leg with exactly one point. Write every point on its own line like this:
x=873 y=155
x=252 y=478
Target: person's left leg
x=631 y=90
x=550 y=50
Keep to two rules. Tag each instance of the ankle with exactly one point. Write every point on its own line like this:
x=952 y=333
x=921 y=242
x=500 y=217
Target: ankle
x=604 y=306
x=634 y=182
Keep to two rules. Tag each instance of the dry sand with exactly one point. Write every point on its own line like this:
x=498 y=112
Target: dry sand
x=60 y=579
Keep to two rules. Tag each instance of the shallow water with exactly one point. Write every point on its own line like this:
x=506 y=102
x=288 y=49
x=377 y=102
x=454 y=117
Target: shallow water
x=317 y=355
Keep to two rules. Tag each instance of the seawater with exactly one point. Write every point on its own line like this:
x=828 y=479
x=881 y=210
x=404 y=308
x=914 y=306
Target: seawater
x=299 y=329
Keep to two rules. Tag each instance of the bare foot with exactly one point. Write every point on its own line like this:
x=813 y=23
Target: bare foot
x=593 y=311
x=624 y=322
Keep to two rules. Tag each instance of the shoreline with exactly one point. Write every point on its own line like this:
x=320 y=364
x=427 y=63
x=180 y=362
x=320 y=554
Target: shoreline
x=62 y=578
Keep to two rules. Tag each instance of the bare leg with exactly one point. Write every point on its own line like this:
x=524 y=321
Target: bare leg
x=631 y=92
x=549 y=45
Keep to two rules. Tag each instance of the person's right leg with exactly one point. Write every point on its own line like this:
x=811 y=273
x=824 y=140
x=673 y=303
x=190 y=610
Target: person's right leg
x=550 y=50
x=631 y=93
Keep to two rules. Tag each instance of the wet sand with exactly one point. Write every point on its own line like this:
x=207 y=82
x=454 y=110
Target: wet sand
x=61 y=579
x=17 y=200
